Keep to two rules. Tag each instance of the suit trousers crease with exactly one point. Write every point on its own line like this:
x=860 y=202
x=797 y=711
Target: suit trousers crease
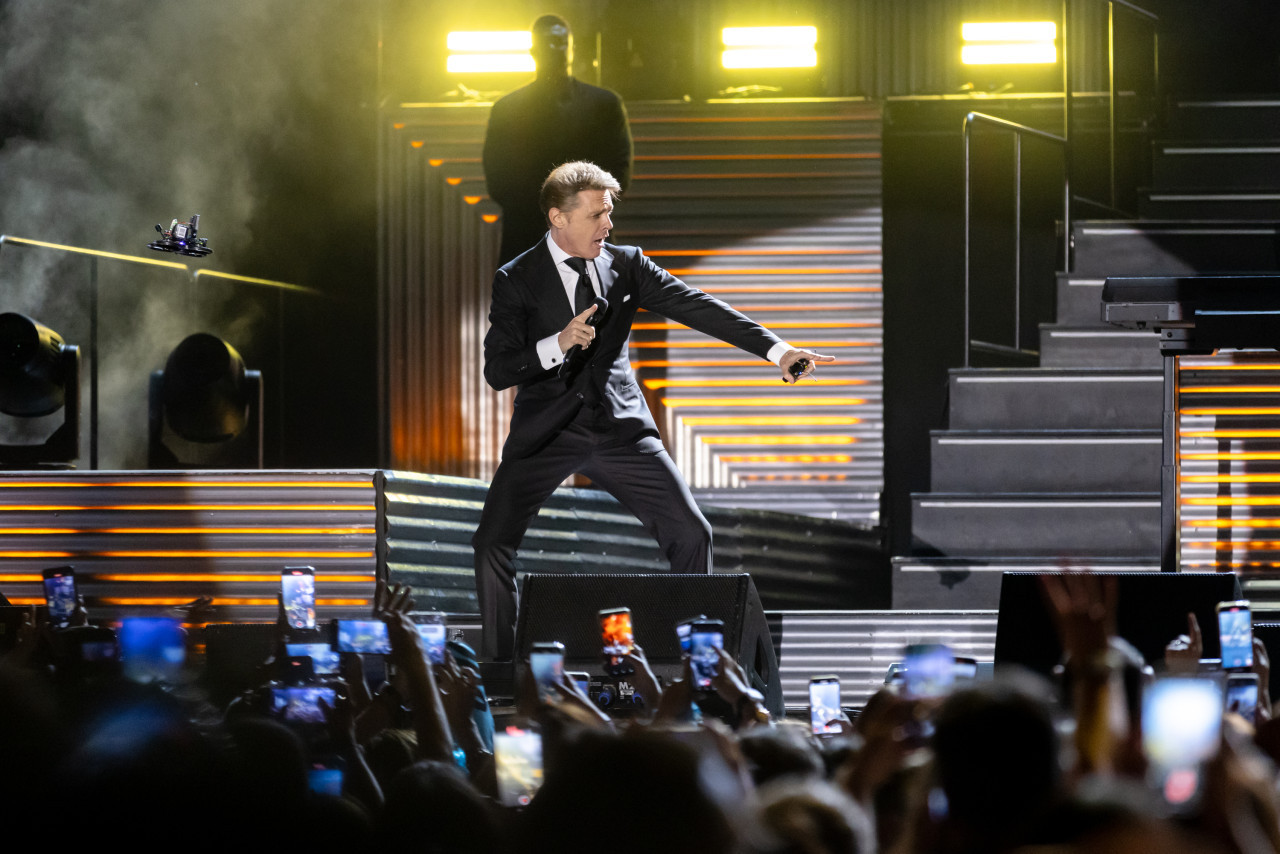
x=647 y=484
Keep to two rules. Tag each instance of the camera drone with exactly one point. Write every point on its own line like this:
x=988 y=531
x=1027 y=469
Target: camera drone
x=181 y=237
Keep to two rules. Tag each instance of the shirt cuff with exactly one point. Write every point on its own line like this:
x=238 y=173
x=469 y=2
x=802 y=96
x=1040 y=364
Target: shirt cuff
x=777 y=351
x=549 y=351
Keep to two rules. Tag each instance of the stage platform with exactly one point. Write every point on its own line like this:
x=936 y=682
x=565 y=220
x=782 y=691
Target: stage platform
x=145 y=541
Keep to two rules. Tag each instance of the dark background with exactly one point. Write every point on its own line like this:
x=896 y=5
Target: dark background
x=261 y=115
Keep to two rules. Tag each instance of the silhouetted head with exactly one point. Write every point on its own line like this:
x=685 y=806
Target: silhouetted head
x=552 y=47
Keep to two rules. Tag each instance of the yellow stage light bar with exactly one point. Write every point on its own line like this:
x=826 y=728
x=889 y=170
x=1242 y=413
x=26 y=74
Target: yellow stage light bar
x=489 y=63
x=1009 y=31
x=1009 y=43
x=769 y=47
x=489 y=41
x=489 y=52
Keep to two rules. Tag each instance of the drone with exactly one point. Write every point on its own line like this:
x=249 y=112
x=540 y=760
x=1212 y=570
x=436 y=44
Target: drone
x=181 y=237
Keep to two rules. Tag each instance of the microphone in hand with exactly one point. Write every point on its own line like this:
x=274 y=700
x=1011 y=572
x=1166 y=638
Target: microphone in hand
x=574 y=352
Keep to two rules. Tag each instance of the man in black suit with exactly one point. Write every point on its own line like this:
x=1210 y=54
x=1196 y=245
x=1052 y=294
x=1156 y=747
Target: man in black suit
x=588 y=415
x=555 y=119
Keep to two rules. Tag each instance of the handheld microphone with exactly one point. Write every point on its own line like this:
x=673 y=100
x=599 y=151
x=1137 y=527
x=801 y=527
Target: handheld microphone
x=602 y=305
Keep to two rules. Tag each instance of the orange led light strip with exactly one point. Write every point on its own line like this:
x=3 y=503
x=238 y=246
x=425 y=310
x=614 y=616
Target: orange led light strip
x=290 y=507
x=224 y=577
x=219 y=601
x=782 y=324
x=675 y=402
x=771 y=382
x=1230 y=434
x=711 y=253
x=807 y=289
x=1225 y=501
x=1255 y=366
x=277 y=530
x=231 y=553
x=1228 y=456
x=1236 y=410
x=777 y=440
x=1231 y=478
x=686 y=272
x=771 y=420
x=1230 y=389
x=656 y=158
x=721 y=345
x=786 y=458
x=185 y=484
x=800 y=476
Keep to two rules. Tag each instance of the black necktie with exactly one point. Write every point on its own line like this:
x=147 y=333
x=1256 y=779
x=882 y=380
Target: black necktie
x=584 y=295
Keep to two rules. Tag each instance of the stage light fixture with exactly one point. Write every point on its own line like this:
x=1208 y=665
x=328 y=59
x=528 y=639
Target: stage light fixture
x=769 y=47
x=489 y=52
x=205 y=397
x=39 y=374
x=1009 y=43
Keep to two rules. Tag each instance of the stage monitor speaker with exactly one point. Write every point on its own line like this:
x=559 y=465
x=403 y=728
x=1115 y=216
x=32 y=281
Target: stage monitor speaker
x=565 y=608
x=1151 y=610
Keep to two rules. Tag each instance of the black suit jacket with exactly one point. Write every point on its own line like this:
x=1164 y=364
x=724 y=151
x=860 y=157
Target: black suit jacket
x=529 y=303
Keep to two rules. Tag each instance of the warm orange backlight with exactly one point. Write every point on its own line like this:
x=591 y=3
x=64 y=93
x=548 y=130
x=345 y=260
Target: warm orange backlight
x=675 y=402
x=685 y=272
x=185 y=484
x=786 y=458
x=772 y=382
x=1230 y=389
x=236 y=553
x=225 y=577
x=770 y=420
x=777 y=440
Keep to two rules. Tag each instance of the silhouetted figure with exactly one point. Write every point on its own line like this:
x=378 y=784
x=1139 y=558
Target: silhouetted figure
x=553 y=120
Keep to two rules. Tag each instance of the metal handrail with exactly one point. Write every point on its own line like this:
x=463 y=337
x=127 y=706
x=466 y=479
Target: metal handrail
x=1067 y=88
x=1018 y=131
x=1065 y=141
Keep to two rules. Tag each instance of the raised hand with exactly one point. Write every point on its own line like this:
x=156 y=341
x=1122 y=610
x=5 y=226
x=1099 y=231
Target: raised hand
x=578 y=333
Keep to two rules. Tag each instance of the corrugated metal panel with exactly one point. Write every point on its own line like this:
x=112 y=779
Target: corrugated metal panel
x=1229 y=468
x=147 y=540
x=774 y=207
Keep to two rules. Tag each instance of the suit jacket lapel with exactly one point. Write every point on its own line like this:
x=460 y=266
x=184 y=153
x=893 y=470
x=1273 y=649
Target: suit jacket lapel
x=611 y=275
x=551 y=285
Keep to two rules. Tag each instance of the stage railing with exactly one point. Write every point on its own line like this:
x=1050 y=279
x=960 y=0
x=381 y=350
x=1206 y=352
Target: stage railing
x=1066 y=143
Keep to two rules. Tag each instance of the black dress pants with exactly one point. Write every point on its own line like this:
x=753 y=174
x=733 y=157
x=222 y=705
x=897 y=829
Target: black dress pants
x=647 y=484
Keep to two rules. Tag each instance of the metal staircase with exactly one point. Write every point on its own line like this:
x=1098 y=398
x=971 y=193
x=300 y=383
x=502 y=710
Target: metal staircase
x=1061 y=462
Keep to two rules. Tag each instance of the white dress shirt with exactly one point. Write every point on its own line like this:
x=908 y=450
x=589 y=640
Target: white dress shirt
x=549 y=348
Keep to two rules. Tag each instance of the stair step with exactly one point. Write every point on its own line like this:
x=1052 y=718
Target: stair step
x=1215 y=165
x=1043 y=462
x=1010 y=525
x=946 y=582
x=1098 y=347
x=1200 y=204
x=1160 y=248
x=1235 y=119
x=1079 y=299
x=1055 y=399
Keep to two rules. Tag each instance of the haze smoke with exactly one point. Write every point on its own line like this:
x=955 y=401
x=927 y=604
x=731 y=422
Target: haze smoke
x=119 y=114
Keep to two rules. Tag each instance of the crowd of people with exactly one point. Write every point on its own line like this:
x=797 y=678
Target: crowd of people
x=1018 y=763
